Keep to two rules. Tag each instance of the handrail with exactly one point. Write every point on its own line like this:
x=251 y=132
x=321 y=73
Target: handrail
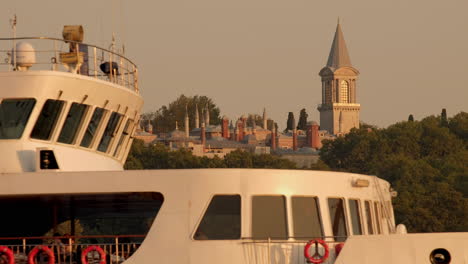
x=75 y=57
x=70 y=41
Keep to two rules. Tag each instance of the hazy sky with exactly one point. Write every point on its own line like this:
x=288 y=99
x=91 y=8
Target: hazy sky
x=250 y=54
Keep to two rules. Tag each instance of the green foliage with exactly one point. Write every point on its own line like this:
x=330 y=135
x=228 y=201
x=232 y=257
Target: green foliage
x=302 y=124
x=159 y=157
x=164 y=118
x=411 y=118
x=425 y=161
x=290 y=123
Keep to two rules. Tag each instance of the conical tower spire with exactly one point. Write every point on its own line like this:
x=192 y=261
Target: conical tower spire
x=339 y=56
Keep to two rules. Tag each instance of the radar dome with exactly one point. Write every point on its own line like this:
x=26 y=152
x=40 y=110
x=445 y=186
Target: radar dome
x=25 y=56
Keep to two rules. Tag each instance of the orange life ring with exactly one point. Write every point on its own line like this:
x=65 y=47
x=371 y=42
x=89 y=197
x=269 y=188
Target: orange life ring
x=93 y=248
x=316 y=258
x=33 y=253
x=8 y=253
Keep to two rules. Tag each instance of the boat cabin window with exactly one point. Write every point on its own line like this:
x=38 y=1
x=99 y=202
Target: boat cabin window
x=354 y=210
x=14 y=115
x=306 y=217
x=269 y=217
x=370 y=228
x=124 y=136
x=92 y=128
x=377 y=218
x=109 y=132
x=338 y=218
x=47 y=119
x=97 y=215
x=72 y=123
x=222 y=219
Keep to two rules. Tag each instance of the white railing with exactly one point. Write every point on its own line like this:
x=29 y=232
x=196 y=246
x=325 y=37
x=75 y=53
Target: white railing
x=68 y=249
x=68 y=56
x=268 y=251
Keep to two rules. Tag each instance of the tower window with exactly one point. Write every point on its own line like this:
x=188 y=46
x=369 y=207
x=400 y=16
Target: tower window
x=328 y=92
x=344 y=92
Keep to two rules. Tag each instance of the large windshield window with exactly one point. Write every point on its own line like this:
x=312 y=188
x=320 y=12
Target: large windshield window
x=269 y=217
x=306 y=217
x=47 y=119
x=14 y=114
x=92 y=127
x=72 y=123
x=222 y=219
x=109 y=132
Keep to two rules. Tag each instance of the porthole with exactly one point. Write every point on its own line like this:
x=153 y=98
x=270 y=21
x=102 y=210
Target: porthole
x=440 y=256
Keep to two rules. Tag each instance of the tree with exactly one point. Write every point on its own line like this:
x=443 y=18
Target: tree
x=302 y=124
x=411 y=118
x=423 y=160
x=443 y=118
x=164 y=118
x=290 y=123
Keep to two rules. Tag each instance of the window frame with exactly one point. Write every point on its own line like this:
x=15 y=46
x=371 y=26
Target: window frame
x=29 y=118
x=77 y=137
x=346 y=217
x=319 y=211
x=104 y=118
x=286 y=216
x=204 y=211
x=58 y=121
x=370 y=217
x=360 y=217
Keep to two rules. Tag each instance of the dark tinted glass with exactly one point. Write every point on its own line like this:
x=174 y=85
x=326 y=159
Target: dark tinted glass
x=355 y=217
x=14 y=115
x=109 y=132
x=222 y=219
x=92 y=127
x=47 y=119
x=124 y=136
x=92 y=214
x=269 y=217
x=306 y=217
x=338 y=219
x=72 y=123
x=370 y=228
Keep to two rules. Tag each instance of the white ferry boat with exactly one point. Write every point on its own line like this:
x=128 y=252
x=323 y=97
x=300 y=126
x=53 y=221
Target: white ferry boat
x=68 y=111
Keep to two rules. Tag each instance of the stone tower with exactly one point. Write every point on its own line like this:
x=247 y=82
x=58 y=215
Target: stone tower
x=339 y=111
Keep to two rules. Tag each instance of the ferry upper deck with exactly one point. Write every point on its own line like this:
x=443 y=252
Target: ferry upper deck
x=67 y=100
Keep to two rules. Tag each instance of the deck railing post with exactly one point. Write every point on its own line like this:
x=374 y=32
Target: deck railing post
x=95 y=62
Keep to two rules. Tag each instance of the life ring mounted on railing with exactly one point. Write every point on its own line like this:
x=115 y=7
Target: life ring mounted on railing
x=101 y=252
x=316 y=258
x=7 y=251
x=33 y=253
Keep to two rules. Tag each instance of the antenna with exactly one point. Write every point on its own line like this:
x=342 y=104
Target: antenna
x=13 y=28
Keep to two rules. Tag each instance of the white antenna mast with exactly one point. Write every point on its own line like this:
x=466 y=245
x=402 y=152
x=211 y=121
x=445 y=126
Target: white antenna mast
x=13 y=27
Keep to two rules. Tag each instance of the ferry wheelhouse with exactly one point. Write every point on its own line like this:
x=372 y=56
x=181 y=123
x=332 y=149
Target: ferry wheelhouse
x=68 y=111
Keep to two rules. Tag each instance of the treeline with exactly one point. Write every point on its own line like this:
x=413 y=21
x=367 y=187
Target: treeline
x=425 y=161
x=159 y=157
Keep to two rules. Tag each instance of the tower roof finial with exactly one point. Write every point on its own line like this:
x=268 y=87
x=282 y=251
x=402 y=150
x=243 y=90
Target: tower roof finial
x=339 y=56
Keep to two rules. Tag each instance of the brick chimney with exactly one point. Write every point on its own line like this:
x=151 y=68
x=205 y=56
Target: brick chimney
x=240 y=130
x=225 y=128
x=294 y=139
x=316 y=142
